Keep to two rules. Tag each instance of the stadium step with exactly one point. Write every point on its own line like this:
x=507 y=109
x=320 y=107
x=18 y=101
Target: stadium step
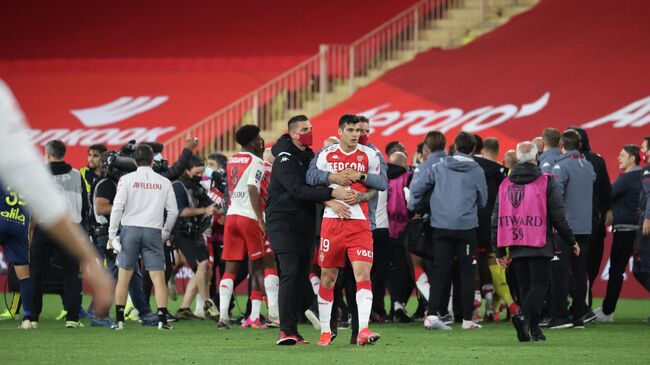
x=461 y=26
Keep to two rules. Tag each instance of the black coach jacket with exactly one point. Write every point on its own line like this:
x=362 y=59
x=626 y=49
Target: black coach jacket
x=291 y=206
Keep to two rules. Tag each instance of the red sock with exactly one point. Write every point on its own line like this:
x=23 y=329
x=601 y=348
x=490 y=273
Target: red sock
x=228 y=275
x=418 y=271
x=364 y=285
x=268 y=272
x=326 y=293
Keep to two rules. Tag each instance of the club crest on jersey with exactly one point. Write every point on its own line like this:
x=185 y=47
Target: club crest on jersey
x=359 y=158
x=321 y=257
x=516 y=194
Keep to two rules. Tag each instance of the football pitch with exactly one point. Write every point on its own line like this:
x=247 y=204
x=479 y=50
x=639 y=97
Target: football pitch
x=626 y=341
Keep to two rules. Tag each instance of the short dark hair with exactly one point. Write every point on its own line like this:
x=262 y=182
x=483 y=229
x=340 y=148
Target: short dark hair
x=363 y=119
x=634 y=151
x=647 y=140
x=390 y=146
x=246 y=134
x=420 y=147
x=97 y=147
x=551 y=137
x=156 y=147
x=436 y=141
x=348 y=119
x=491 y=145
x=291 y=124
x=55 y=148
x=571 y=139
x=221 y=159
x=195 y=161
x=143 y=155
x=478 y=148
x=465 y=142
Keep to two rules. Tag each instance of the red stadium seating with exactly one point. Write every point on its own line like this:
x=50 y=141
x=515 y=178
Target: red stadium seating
x=563 y=63
x=84 y=55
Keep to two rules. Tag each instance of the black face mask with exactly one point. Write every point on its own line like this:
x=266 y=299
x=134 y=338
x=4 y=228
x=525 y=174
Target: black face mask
x=196 y=179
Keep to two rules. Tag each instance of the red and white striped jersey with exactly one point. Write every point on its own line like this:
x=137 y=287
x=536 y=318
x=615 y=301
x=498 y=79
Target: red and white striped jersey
x=363 y=159
x=243 y=169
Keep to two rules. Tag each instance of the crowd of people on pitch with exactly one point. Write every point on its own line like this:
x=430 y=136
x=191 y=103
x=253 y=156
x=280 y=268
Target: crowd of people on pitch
x=321 y=237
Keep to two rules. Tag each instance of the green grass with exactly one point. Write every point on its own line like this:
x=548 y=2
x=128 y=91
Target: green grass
x=625 y=341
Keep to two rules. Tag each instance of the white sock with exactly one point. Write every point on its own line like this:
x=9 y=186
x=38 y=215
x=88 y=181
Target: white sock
x=198 y=308
x=422 y=283
x=325 y=308
x=256 y=304
x=225 y=293
x=364 y=305
x=315 y=283
x=272 y=287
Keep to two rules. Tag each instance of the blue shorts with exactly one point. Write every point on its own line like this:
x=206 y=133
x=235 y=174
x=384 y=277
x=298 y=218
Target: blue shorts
x=16 y=248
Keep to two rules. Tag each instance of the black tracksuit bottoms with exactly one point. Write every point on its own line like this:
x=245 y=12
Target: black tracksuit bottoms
x=447 y=245
x=533 y=279
x=296 y=294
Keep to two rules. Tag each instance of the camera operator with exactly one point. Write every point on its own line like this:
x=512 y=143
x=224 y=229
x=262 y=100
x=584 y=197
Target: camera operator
x=195 y=215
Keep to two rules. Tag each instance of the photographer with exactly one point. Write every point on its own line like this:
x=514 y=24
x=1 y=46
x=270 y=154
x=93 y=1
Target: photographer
x=195 y=215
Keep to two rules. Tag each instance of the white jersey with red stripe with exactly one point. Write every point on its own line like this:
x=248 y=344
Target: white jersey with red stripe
x=243 y=169
x=266 y=179
x=363 y=159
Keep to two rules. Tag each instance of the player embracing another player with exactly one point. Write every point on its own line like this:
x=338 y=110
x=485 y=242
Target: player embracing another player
x=346 y=227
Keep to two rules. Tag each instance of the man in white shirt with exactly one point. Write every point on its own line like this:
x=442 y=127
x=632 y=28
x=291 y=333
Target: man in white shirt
x=139 y=207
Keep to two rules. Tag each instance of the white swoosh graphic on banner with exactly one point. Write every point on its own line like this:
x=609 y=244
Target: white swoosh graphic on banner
x=117 y=110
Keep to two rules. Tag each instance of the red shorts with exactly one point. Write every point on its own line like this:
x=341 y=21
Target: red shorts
x=242 y=234
x=341 y=236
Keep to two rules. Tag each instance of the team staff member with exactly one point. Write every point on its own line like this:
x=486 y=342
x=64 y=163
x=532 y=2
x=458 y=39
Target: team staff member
x=195 y=211
x=527 y=195
x=601 y=205
x=70 y=183
x=575 y=179
x=458 y=185
x=624 y=219
x=290 y=217
x=139 y=207
x=642 y=248
x=21 y=167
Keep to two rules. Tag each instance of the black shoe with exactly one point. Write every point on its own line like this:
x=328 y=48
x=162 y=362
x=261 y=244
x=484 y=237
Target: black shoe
x=186 y=314
x=580 y=324
x=589 y=317
x=545 y=322
x=170 y=317
x=523 y=332
x=559 y=323
x=536 y=334
x=334 y=322
x=402 y=316
x=353 y=338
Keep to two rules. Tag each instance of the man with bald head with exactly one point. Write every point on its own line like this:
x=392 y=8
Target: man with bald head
x=509 y=159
